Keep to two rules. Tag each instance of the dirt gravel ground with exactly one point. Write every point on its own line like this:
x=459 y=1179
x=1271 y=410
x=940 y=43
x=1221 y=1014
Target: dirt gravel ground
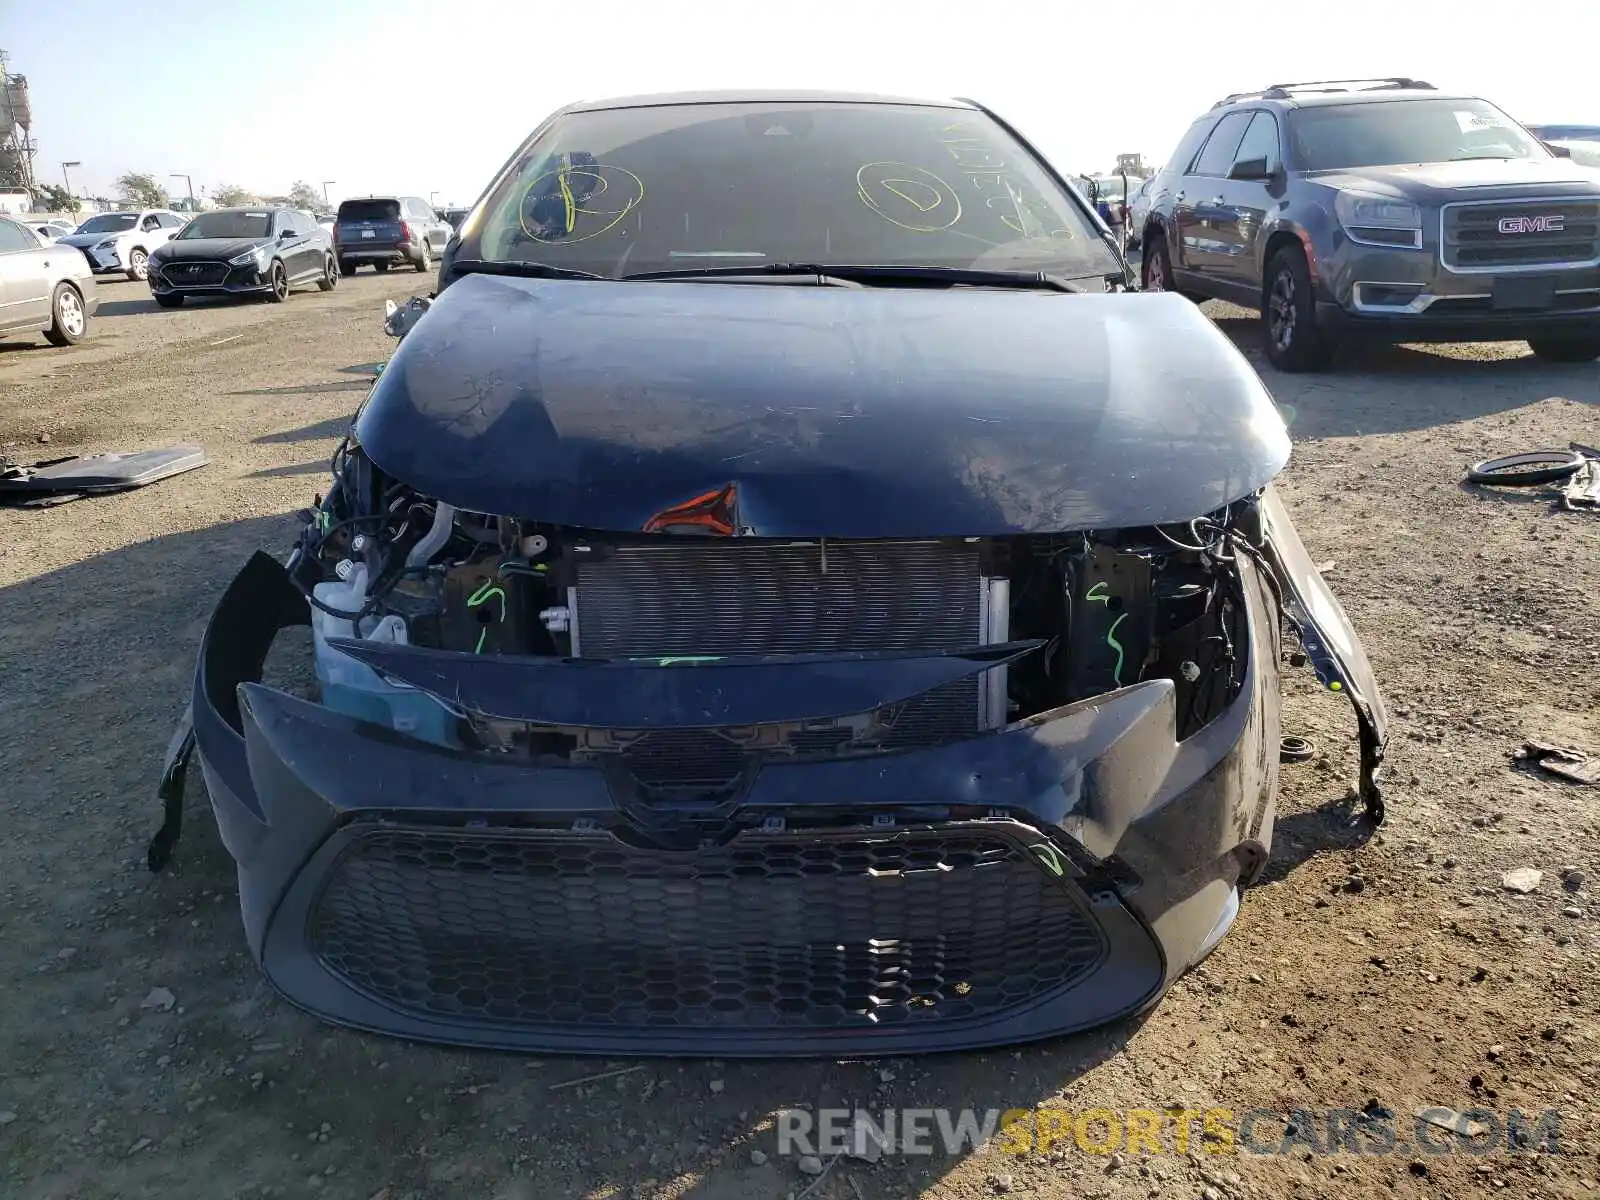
x=142 y=1055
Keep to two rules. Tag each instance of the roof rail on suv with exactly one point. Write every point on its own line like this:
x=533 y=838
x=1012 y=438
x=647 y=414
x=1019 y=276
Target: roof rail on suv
x=1284 y=91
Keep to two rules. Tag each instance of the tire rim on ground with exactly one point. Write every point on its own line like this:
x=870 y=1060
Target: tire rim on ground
x=140 y=262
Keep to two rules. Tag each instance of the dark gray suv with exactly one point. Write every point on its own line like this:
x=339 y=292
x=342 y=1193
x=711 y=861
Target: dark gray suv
x=1379 y=208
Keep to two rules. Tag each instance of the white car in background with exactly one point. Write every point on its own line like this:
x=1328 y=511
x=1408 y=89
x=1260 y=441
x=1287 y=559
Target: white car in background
x=120 y=242
x=49 y=231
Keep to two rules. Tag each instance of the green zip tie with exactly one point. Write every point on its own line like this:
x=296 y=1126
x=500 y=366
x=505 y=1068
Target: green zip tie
x=1049 y=856
x=1111 y=640
x=482 y=596
x=1101 y=593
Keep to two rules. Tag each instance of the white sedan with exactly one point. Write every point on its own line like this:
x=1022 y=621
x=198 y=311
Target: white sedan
x=120 y=242
x=49 y=231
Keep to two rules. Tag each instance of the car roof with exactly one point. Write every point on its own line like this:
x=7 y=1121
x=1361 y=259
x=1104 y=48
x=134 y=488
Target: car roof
x=1330 y=99
x=1277 y=97
x=248 y=208
x=759 y=97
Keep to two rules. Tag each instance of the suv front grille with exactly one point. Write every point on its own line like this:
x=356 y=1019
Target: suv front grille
x=847 y=929
x=1495 y=234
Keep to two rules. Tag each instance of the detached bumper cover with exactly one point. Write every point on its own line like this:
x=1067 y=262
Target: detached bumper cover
x=1030 y=882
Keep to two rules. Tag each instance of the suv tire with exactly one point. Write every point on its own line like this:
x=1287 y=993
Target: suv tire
x=1155 y=267
x=425 y=263
x=1295 y=342
x=347 y=266
x=1155 y=247
x=1578 y=349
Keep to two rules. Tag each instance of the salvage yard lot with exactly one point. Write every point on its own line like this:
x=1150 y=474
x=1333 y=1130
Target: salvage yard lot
x=142 y=1054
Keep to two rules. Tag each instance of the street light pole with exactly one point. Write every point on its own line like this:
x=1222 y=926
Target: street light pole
x=325 y=184
x=68 y=178
x=190 y=183
x=431 y=195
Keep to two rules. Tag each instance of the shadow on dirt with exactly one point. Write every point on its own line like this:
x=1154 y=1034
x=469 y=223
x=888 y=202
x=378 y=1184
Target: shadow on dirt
x=317 y=467
x=1335 y=826
x=10 y=342
x=309 y=389
x=127 y=308
x=333 y=427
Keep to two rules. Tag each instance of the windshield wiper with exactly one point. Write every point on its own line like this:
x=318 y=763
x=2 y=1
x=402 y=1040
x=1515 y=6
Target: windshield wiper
x=525 y=270
x=886 y=274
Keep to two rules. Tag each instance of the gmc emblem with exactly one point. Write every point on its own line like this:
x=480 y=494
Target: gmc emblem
x=1554 y=223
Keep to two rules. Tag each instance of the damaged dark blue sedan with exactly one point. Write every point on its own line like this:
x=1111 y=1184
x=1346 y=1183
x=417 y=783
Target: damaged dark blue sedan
x=782 y=598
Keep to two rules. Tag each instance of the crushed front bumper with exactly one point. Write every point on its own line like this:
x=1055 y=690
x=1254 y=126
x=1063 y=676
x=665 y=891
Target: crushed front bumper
x=105 y=262
x=1035 y=881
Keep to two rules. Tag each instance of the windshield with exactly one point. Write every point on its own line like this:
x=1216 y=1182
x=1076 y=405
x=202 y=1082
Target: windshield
x=227 y=225
x=678 y=187
x=369 y=210
x=109 y=223
x=1385 y=133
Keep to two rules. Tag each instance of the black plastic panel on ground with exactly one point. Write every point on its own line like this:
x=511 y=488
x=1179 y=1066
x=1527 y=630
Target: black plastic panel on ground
x=771 y=932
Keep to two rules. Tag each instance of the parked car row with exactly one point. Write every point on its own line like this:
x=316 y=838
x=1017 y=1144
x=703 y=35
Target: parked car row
x=48 y=267
x=1384 y=209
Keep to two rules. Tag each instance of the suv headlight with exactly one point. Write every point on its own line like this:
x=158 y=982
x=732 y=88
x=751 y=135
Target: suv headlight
x=257 y=257
x=106 y=244
x=1379 y=220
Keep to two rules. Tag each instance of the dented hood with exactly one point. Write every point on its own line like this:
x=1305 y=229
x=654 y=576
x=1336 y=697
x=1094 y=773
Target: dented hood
x=820 y=411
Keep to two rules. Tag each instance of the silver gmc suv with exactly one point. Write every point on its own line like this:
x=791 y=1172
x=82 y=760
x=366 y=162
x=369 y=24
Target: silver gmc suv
x=1379 y=208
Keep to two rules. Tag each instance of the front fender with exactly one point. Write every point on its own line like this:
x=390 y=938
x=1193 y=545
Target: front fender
x=1331 y=643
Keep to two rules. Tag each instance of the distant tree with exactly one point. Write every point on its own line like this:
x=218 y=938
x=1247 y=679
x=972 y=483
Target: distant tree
x=57 y=198
x=231 y=195
x=303 y=195
x=141 y=189
x=11 y=172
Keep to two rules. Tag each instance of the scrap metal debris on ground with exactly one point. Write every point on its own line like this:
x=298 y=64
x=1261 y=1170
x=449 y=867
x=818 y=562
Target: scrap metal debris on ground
x=1575 y=471
x=1572 y=765
x=61 y=480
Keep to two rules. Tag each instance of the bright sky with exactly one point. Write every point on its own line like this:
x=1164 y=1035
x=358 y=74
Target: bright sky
x=431 y=96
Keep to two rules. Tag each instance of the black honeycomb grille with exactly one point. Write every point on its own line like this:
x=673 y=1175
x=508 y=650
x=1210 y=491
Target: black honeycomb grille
x=773 y=931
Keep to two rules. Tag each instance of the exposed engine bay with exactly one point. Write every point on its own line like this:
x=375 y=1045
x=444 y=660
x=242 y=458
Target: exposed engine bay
x=1104 y=610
